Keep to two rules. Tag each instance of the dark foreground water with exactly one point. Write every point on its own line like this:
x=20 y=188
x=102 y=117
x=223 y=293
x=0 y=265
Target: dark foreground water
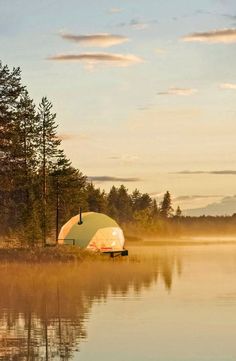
x=162 y=303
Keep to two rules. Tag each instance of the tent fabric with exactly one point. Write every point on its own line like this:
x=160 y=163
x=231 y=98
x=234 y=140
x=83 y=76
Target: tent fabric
x=67 y=226
x=65 y=235
x=98 y=231
x=109 y=238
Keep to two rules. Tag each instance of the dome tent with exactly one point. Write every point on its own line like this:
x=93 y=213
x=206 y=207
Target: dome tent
x=94 y=231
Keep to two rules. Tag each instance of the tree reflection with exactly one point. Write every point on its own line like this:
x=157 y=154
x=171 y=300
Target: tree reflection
x=43 y=308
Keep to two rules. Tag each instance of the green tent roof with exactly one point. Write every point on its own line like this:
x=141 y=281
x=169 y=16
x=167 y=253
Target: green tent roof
x=81 y=234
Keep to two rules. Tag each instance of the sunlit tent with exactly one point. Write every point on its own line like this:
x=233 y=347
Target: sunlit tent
x=94 y=231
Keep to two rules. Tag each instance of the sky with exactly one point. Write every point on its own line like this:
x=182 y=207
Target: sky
x=144 y=91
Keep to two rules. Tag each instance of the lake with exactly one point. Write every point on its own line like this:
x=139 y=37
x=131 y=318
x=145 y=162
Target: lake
x=167 y=303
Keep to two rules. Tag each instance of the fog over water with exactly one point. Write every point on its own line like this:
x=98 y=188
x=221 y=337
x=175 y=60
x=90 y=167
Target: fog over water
x=167 y=303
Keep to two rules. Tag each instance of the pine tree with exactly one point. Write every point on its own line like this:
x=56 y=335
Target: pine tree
x=96 y=199
x=66 y=192
x=178 y=212
x=140 y=201
x=155 y=210
x=166 y=206
x=112 y=203
x=145 y=201
x=47 y=155
x=28 y=123
x=10 y=90
x=17 y=136
x=124 y=205
x=136 y=196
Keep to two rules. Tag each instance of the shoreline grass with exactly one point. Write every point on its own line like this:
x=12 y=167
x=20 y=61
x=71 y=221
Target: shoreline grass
x=55 y=254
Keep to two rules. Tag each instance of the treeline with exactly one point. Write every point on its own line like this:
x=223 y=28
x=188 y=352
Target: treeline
x=35 y=174
x=39 y=188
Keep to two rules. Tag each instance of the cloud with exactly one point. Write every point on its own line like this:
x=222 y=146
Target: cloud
x=126 y=159
x=229 y=16
x=226 y=206
x=137 y=24
x=179 y=91
x=216 y=172
x=98 y=40
x=189 y=199
x=195 y=197
x=196 y=200
x=204 y=12
x=115 y=11
x=230 y=86
x=112 y=179
x=226 y=36
x=92 y=59
x=224 y=172
x=157 y=194
x=191 y=172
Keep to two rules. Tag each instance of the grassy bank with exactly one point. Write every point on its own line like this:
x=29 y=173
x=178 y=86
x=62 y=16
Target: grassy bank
x=45 y=254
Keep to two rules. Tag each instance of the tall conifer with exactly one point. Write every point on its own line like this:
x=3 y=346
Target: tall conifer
x=47 y=153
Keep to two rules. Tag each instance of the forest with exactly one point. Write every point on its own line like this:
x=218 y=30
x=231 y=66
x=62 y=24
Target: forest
x=40 y=189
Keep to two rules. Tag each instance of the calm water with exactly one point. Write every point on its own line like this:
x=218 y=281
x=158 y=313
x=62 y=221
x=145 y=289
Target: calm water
x=162 y=303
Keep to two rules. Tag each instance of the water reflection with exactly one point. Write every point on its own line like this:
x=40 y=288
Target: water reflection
x=43 y=308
